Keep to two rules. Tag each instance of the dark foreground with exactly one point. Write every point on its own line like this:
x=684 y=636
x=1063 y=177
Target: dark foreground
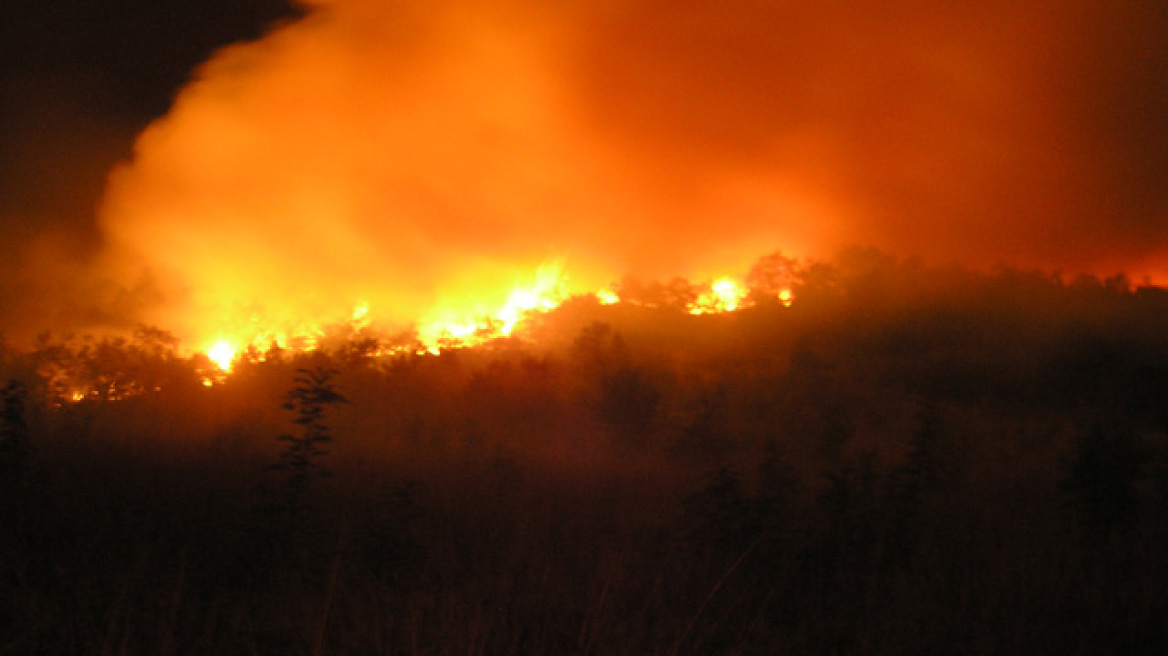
x=857 y=474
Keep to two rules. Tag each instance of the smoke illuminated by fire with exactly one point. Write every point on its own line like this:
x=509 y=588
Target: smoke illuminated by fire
x=418 y=161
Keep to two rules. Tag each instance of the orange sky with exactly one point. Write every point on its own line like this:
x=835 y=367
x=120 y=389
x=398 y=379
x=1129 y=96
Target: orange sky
x=411 y=153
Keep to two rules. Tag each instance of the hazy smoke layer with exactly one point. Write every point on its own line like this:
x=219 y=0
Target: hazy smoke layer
x=414 y=154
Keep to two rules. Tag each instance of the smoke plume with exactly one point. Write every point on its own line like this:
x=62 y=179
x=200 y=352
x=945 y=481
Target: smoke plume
x=418 y=156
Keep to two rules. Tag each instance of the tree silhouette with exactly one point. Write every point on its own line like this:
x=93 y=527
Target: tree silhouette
x=15 y=459
x=1101 y=478
x=314 y=391
x=15 y=447
x=771 y=274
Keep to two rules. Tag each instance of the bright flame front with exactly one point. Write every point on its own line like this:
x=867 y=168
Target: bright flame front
x=725 y=295
x=546 y=292
x=455 y=327
x=222 y=353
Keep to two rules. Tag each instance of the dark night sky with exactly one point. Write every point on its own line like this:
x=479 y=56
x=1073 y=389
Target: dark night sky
x=81 y=78
x=1029 y=132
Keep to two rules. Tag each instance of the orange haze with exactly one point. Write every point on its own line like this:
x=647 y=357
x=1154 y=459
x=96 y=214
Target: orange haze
x=420 y=157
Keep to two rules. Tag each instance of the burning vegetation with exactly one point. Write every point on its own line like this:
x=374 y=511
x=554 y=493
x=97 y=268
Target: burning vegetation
x=549 y=289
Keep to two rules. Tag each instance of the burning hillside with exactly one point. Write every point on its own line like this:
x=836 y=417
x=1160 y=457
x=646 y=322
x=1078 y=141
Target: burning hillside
x=447 y=330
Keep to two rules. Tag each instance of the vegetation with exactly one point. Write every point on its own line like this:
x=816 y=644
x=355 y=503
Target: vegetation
x=301 y=457
x=909 y=459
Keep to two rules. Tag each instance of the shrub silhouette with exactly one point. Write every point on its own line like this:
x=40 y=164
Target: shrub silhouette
x=314 y=391
x=15 y=453
x=15 y=446
x=719 y=516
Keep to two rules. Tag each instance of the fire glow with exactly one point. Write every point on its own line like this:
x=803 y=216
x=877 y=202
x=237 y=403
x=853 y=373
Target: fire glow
x=725 y=295
x=312 y=179
x=222 y=353
x=452 y=329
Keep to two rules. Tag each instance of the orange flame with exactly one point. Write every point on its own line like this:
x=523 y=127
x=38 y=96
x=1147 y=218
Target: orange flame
x=607 y=297
x=222 y=353
x=725 y=295
x=546 y=292
x=455 y=327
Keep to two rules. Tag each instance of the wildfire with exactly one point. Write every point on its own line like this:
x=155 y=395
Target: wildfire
x=451 y=328
x=607 y=297
x=222 y=353
x=255 y=336
x=725 y=295
x=546 y=292
x=361 y=315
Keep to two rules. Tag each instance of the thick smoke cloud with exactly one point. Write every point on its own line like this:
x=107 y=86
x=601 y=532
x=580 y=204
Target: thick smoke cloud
x=413 y=155
x=404 y=157
x=1028 y=131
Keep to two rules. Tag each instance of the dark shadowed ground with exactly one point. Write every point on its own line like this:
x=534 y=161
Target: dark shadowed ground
x=908 y=460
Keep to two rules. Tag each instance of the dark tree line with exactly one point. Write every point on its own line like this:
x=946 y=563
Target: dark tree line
x=908 y=459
